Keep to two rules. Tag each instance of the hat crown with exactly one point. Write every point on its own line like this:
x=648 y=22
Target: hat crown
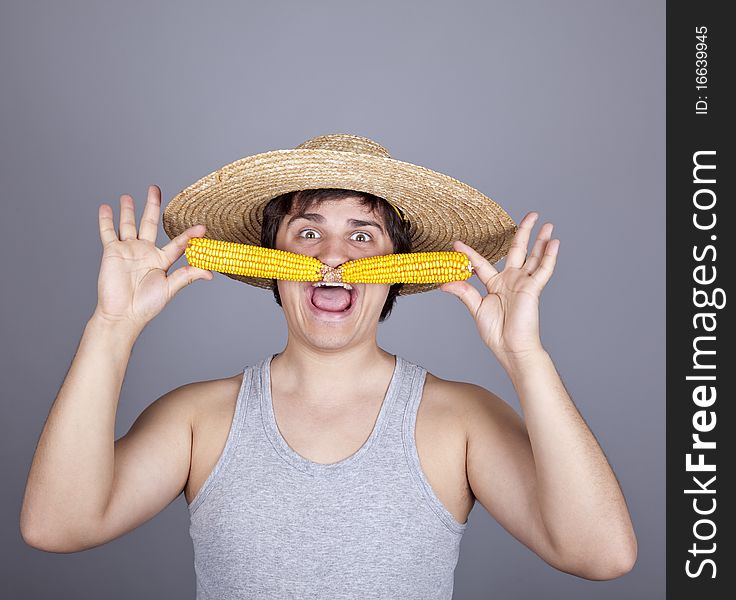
x=345 y=142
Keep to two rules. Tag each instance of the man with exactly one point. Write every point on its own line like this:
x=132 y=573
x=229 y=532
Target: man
x=333 y=468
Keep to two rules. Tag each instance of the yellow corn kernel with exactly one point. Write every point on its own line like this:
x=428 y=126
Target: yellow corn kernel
x=412 y=267
x=252 y=261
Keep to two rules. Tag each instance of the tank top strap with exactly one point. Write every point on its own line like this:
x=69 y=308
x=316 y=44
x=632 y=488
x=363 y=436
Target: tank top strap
x=403 y=428
x=407 y=395
x=243 y=406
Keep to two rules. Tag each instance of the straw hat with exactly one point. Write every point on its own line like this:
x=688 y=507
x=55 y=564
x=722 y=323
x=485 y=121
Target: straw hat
x=439 y=209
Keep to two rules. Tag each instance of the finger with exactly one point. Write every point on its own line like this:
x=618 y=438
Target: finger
x=517 y=253
x=545 y=233
x=469 y=296
x=547 y=264
x=127 y=218
x=481 y=265
x=107 y=227
x=175 y=248
x=184 y=276
x=149 y=221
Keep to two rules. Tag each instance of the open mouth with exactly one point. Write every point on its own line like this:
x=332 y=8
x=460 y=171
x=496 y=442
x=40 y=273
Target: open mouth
x=332 y=298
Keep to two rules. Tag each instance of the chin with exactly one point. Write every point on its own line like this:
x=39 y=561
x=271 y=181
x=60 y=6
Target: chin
x=329 y=342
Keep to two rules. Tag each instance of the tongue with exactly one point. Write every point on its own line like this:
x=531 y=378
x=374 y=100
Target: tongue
x=334 y=299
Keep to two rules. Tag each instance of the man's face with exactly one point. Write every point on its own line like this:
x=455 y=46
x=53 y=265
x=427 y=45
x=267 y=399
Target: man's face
x=334 y=232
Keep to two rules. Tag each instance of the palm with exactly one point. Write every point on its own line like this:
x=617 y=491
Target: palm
x=133 y=280
x=508 y=316
x=133 y=285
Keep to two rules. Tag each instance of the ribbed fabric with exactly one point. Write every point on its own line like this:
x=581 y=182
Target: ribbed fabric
x=268 y=523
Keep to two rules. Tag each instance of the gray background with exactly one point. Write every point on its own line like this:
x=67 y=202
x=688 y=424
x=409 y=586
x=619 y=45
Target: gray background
x=556 y=107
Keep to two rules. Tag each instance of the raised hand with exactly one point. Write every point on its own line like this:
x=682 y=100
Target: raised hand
x=133 y=287
x=508 y=316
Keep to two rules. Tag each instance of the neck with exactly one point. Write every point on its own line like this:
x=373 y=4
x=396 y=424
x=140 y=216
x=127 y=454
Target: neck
x=328 y=378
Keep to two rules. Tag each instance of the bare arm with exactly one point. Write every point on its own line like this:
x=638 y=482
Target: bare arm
x=545 y=478
x=75 y=465
x=71 y=474
x=560 y=497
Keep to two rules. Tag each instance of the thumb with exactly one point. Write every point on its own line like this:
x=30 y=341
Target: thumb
x=465 y=292
x=184 y=276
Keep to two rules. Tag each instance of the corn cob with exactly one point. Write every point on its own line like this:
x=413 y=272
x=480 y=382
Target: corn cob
x=253 y=261
x=412 y=267
x=269 y=263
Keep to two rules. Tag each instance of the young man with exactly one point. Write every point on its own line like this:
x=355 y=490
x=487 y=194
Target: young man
x=333 y=468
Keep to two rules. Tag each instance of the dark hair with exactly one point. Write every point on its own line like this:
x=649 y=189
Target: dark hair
x=278 y=207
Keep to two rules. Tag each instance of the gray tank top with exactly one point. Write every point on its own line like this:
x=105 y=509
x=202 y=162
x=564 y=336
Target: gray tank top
x=268 y=523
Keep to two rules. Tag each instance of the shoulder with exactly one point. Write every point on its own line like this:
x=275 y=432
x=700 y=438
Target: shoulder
x=467 y=403
x=206 y=399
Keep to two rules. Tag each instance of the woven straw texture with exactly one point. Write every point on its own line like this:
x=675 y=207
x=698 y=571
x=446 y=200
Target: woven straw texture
x=440 y=209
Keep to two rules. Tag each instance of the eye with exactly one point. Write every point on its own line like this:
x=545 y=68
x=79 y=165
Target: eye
x=363 y=233
x=306 y=230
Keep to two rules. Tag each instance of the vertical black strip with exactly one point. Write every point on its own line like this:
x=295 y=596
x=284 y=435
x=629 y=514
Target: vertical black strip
x=700 y=332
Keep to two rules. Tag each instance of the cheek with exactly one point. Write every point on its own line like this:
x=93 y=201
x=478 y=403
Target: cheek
x=377 y=293
x=289 y=290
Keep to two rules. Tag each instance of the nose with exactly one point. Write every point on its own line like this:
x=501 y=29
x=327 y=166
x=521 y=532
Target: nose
x=333 y=252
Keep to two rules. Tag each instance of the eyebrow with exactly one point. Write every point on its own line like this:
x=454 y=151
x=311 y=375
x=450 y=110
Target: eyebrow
x=318 y=218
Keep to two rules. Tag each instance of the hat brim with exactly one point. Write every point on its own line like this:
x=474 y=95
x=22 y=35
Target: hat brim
x=440 y=209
